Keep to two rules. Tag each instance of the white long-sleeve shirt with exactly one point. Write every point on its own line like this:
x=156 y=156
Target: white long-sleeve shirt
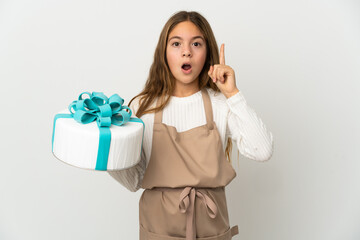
x=234 y=119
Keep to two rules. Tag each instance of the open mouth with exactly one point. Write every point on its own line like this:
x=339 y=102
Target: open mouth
x=186 y=66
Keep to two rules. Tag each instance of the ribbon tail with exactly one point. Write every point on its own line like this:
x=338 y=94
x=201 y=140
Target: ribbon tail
x=132 y=119
x=104 y=148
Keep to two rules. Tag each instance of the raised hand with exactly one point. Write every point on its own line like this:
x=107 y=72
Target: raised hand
x=223 y=75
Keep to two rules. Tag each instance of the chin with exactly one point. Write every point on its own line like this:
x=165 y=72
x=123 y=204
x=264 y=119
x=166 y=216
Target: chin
x=184 y=81
x=187 y=79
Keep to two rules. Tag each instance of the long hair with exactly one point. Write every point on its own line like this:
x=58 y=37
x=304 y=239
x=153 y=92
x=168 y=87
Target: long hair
x=161 y=82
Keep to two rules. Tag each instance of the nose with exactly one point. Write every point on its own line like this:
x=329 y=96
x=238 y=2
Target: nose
x=186 y=52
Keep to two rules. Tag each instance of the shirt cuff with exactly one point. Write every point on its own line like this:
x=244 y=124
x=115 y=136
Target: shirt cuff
x=237 y=99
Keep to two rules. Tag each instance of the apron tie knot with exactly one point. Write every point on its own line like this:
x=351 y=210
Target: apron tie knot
x=186 y=205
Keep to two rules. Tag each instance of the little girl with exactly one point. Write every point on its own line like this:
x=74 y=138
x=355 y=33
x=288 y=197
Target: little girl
x=192 y=111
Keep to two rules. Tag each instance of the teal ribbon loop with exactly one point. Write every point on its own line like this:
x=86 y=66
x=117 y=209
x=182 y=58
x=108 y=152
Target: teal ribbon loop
x=105 y=111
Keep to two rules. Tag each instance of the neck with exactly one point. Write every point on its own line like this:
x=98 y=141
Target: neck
x=184 y=90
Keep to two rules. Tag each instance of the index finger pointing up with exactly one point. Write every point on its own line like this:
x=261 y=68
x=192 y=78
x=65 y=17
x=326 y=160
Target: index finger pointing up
x=222 y=54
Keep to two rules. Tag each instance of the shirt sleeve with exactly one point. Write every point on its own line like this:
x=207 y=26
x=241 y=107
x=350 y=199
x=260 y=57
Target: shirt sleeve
x=252 y=138
x=131 y=178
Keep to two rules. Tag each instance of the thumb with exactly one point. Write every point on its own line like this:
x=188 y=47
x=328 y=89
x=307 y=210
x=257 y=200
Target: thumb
x=210 y=71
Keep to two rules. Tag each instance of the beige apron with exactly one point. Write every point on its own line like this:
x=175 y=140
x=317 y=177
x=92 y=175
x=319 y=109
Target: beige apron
x=184 y=196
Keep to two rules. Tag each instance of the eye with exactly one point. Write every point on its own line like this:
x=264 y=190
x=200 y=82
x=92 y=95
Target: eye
x=198 y=44
x=175 y=43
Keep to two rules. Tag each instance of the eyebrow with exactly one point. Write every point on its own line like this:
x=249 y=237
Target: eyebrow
x=191 y=38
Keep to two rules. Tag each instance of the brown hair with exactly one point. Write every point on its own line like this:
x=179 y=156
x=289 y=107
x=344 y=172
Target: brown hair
x=161 y=83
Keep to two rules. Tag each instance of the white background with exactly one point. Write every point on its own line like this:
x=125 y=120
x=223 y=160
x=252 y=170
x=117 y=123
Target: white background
x=296 y=62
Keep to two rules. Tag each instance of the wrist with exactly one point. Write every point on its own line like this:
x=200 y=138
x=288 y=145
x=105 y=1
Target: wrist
x=228 y=95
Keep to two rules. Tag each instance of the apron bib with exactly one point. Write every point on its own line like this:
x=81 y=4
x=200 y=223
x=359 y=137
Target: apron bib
x=184 y=182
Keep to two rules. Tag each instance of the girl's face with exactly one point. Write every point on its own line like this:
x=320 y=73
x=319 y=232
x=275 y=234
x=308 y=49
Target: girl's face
x=186 y=52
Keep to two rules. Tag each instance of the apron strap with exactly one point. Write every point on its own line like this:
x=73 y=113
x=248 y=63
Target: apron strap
x=207 y=106
x=234 y=230
x=158 y=114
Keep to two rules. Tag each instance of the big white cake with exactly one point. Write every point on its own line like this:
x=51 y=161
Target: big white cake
x=79 y=144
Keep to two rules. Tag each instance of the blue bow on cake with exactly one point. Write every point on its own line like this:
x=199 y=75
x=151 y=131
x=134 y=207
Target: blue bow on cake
x=105 y=111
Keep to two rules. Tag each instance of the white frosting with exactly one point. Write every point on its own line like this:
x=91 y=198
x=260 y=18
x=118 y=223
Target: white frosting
x=77 y=144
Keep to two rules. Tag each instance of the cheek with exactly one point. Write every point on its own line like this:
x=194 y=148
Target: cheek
x=171 y=59
x=202 y=57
